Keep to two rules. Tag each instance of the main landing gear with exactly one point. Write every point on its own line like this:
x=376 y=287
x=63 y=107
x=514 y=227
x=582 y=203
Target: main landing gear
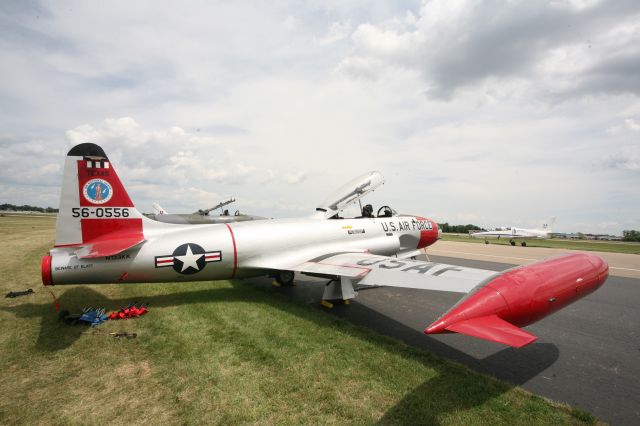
x=339 y=289
x=283 y=278
x=336 y=290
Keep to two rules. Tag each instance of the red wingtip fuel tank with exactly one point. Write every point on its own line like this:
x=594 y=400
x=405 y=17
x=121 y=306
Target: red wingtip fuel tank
x=522 y=296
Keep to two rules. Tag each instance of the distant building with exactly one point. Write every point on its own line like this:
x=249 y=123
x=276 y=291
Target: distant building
x=581 y=236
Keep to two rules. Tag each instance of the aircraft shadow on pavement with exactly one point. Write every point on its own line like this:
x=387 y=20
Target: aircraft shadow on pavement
x=516 y=366
x=513 y=366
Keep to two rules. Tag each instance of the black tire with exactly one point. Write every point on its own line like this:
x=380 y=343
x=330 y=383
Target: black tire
x=523 y=244
x=486 y=242
x=513 y=243
x=285 y=277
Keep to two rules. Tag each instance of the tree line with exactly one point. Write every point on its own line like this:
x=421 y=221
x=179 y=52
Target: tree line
x=631 y=235
x=27 y=208
x=459 y=229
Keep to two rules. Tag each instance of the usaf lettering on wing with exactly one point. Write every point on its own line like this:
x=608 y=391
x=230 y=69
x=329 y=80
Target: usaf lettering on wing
x=420 y=268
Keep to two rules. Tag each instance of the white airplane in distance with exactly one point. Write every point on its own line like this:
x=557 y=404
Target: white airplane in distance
x=514 y=233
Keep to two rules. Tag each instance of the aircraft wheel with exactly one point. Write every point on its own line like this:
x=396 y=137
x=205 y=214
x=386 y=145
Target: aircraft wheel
x=285 y=277
x=486 y=242
x=523 y=244
x=513 y=243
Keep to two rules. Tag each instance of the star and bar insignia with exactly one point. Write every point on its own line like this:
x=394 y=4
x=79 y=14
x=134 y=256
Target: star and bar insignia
x=188 y=259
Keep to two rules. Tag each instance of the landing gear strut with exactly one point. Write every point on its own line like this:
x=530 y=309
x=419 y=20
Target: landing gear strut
x=338 y=289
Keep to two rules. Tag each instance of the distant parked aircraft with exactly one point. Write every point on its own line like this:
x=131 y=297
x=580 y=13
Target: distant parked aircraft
x=201 y=216
x=514 y=233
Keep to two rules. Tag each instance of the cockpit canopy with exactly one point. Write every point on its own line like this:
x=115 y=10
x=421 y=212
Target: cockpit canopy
x=351 y=192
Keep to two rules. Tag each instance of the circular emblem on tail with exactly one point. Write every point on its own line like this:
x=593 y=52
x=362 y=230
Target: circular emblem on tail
x=97 y=191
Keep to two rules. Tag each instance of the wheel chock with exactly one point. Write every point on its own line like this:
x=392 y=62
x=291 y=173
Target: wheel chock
x=326 y=304
x=276 y=284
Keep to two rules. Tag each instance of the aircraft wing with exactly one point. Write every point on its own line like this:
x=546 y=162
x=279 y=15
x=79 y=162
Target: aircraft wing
x=496 y=305
x=369 y=269
x=493 y=234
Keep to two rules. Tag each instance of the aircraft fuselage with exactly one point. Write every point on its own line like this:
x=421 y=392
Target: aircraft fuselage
x=225 y=251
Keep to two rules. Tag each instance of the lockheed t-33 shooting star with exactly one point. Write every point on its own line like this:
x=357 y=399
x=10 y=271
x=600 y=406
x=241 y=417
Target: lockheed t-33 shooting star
x=102 y=238
x=201 y=216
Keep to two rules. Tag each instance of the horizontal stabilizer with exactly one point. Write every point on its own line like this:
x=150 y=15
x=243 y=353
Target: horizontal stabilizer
x=110 y=245
x=495 y=329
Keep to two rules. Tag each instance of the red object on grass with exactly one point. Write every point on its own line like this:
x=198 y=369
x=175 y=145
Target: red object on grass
x=129 y=312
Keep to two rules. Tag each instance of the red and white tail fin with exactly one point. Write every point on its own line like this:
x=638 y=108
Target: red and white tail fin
x=96 y=214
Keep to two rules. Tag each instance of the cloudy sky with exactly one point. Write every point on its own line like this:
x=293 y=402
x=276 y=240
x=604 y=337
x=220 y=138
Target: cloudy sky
x=486 y=112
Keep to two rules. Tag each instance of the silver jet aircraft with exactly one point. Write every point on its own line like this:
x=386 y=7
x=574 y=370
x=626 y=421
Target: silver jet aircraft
x=513 y=233
x=102 y=238
x=201 y=216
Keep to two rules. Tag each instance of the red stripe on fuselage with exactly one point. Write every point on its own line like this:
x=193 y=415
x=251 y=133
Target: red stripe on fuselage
x=235 y=251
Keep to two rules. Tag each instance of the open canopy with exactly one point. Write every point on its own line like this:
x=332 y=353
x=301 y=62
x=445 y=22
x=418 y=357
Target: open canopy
x=349 y=193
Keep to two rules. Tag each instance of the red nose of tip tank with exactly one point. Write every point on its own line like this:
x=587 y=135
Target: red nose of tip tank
x=523 y=295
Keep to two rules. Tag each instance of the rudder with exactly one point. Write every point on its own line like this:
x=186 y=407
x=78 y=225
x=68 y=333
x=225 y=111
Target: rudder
x=95 y=210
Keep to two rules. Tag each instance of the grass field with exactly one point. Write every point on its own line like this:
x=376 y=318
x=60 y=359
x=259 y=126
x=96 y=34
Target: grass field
x=226 y=352
x=587 y=245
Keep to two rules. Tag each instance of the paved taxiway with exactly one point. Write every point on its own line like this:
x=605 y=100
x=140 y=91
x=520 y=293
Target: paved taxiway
x=620 y=264
x=587 y=355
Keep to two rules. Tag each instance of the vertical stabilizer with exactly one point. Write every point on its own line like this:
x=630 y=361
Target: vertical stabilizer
x=548 y=226
x=94 y=206
x=157 y=208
